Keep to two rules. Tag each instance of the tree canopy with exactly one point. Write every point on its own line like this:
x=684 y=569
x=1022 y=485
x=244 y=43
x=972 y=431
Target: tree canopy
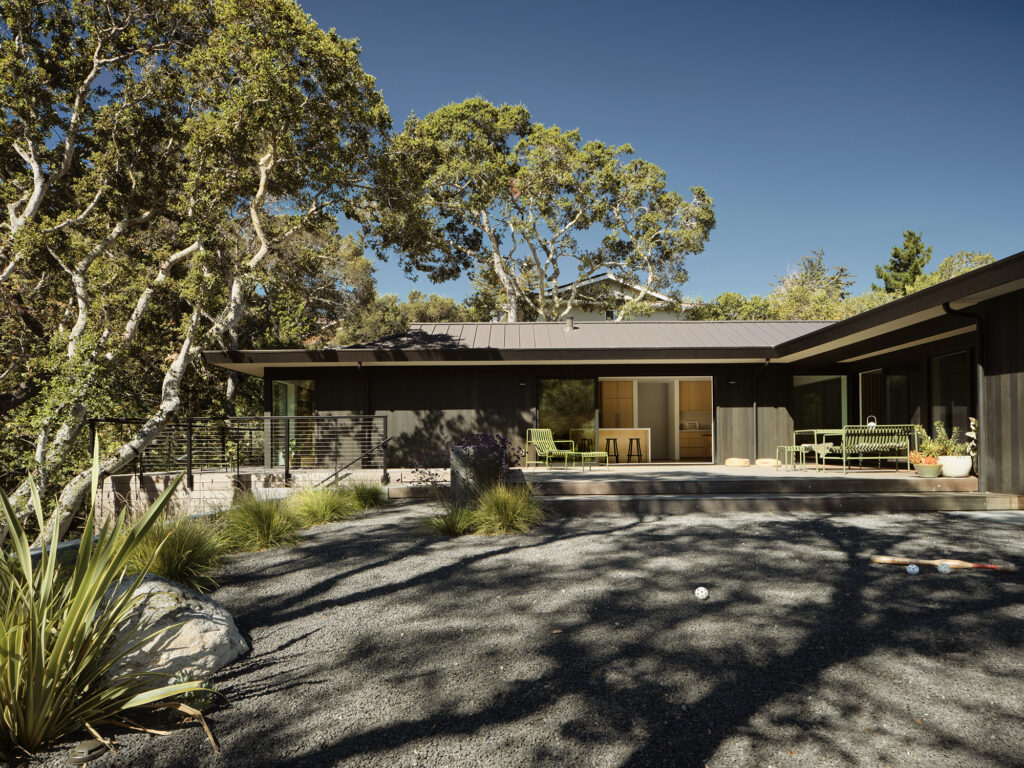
x=906 y=264
x=388 y=315
x=162 y=166
x=477 y=188
x=816 y=291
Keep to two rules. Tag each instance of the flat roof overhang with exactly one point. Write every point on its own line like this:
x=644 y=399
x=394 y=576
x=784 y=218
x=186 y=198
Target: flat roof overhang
x=255 y=362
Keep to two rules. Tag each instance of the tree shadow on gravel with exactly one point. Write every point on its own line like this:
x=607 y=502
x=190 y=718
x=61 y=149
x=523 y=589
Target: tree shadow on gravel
x=583 y=644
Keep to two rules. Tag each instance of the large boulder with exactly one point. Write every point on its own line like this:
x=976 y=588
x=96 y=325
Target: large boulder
x=194 y=635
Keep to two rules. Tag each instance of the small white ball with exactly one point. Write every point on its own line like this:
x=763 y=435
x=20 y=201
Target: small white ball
x=913 y=570
x=701 y=593
x=944 y=568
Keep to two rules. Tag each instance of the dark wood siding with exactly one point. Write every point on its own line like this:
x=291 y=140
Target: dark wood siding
x=427 y=405
x=1001 y=450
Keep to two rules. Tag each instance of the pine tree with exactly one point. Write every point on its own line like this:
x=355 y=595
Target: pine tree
x=905 y=265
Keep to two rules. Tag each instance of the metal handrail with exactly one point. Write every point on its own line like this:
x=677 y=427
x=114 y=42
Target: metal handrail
x=384 y=478
x=274 y=443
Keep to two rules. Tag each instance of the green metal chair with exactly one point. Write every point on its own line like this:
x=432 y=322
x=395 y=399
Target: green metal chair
x=546 y=448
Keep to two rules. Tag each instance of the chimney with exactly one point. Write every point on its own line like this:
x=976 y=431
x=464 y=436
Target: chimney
x=568 y=324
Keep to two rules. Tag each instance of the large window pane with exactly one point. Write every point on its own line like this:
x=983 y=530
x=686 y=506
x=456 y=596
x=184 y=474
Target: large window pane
x=567 y=408
x=295 y=397
x=819 y=401
x=950 y=385
x=872 y=396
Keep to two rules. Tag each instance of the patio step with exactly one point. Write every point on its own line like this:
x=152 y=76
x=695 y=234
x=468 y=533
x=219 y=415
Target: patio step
x=551 y=485
x=682 y=503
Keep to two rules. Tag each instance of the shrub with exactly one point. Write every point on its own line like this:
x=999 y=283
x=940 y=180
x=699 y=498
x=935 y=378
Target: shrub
x=367 y=495
x=187 y=550
x=58 y=635
x=506 y=509
x=456 y=521
x=252 y=524
x=316 y=506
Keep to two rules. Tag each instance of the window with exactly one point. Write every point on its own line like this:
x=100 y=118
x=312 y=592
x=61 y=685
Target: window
x=567 y=408
x=294 y=398
x=872 y=396
x=950 y=390
x=819 y=401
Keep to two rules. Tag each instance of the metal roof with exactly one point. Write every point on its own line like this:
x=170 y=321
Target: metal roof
x=596 y=335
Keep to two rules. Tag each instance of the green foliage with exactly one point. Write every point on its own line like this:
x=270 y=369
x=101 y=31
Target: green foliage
x=506 y=509
x=171 y=175
x=186 y=550
x=367 y=495
x=252 y=524
x=959 y=263
x=906 y=264
x=813 y=291
x=942 y=443
x=316 y=506
x=387 y=315
x=455 y=521
x=732 y=306
x=58 y=629
x=498 y=509
x=950 y=444
x=479 y=188
x=816 y=292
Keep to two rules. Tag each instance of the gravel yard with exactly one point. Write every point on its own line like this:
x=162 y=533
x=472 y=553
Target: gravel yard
x=583 y=645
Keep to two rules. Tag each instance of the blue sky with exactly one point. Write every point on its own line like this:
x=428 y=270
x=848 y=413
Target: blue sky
x=811 y=124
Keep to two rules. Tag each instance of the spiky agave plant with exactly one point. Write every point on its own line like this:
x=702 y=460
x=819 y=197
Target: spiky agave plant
x=58 y=630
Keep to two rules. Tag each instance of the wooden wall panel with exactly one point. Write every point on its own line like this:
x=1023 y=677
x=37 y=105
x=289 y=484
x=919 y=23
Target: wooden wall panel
x=1001 y=449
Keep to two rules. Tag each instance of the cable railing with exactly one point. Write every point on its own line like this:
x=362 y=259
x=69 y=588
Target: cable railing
x=269 y=444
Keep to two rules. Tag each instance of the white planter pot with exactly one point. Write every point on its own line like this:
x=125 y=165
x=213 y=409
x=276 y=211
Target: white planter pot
x=955 y=466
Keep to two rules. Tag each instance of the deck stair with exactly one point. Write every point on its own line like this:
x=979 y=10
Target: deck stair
x=677 y=490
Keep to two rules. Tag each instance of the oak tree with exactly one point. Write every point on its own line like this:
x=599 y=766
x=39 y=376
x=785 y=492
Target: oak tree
x=155 y=158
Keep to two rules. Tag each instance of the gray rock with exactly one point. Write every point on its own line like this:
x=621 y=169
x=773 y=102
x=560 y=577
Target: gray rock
x=469 y=474
x=190 y=634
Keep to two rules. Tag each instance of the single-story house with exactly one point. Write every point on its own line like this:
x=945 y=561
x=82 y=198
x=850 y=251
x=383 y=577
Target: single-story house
x=698 y=391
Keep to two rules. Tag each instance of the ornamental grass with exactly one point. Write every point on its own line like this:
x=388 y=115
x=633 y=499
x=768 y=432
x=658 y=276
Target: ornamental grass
x=252 y=524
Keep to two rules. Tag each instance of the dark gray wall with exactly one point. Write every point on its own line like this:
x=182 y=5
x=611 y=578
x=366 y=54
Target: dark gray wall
x=427 y=405
x=1001 y=433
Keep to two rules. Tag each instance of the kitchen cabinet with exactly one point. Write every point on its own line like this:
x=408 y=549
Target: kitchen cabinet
x=615 y=400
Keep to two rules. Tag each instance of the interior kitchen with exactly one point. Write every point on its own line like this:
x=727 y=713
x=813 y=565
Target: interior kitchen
x=647 y=420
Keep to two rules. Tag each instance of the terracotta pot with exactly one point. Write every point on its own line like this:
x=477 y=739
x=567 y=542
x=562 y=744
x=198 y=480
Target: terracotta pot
x=955 y=466
x=928 y=470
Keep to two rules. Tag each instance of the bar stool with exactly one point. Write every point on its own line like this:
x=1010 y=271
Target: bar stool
x=611 y=447
x=639 y=453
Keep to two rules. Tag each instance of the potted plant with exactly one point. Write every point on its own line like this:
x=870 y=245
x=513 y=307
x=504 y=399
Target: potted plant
x=926 y=466
x=973 y=434
x=954 y=454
